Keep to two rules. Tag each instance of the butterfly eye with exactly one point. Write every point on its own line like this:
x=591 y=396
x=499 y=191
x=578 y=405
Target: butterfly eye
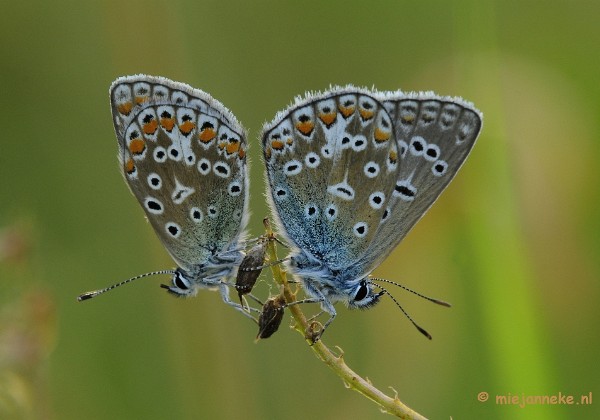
x=362 y=291
x=181 y=282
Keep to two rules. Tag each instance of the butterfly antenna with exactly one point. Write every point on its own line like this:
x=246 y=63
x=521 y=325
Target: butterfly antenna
x=434 y=300
x=94 y=293
x=421 y=330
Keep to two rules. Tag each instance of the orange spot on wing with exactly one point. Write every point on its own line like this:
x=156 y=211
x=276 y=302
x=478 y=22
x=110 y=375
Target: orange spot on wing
x=289 y=141
x=125 y=108
x=232 y=147
x=187 y=127
x=222 y=145
x=242 y=153
x=408 y=118
x=129 y=167
x=150 y=128
x=167 y=123
x=381 y=136
x=393 y=156
x=207 y=135
x=277 y=144
x=305 y=127
x=140 y=99
x=366 y=115
x=346 y=111
x=328 y=119
x=137 y=146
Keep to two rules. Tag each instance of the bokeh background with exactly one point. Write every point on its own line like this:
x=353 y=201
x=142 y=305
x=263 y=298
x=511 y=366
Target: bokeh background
x=513 y=243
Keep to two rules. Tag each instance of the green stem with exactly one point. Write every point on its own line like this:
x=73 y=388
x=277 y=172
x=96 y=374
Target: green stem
x=390 y=405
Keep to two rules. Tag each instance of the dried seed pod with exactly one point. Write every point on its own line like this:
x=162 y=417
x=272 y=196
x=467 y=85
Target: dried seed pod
x=250 y=268
x=270 y=317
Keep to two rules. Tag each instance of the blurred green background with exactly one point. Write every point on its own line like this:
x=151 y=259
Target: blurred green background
x=513 y=243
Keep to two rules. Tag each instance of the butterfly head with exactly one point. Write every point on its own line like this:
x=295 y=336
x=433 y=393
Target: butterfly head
x=363 y=296
x=181 y=286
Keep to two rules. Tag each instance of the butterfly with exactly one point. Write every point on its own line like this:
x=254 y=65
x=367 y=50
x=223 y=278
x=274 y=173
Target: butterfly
x=349 y=172
x=183 y=156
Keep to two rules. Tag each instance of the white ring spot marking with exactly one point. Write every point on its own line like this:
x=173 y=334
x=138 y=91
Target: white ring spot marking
x=360 y=229
x=376 y=200
x=280 y=193
x=342 y=190
x=311 y=211
x=173 y=229
x=312 y=160
x=235 y=188
x=153 y=205
x=371 y=169
x=204 y=166
x=331 y=212
x=154 y=181
x=417 y=146
x=405 y=190
x=432 y=153
x=359 y=143
x=212 y=212
x=196 y=215
x=293 y=167
x=439 y=168
x=160 y=154
x=221 y=169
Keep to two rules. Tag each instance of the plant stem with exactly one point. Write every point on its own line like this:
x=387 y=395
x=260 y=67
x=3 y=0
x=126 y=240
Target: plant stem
x=387 y=404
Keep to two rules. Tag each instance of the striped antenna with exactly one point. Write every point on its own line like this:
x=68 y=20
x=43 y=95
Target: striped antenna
x=94 y=293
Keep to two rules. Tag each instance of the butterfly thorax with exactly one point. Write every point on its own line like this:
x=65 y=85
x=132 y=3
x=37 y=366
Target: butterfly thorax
x=321 y=281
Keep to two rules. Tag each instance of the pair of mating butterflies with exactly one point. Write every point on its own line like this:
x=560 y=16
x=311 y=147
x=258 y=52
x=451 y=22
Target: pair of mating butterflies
x=350 y=171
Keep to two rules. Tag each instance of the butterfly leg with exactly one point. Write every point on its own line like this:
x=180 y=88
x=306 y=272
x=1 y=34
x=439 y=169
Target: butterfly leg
x=224 y=290
x=317 y=296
